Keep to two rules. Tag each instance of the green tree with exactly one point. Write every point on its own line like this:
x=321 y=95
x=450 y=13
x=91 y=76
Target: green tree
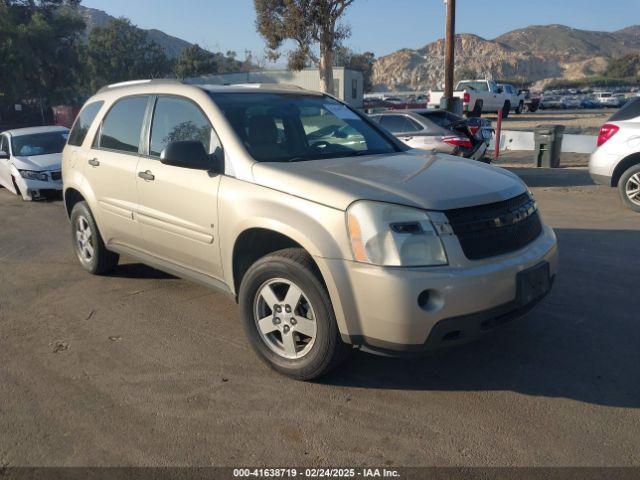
x=362 y=62
x=194 y=61
x=40 y=50
x=307 y=23
x=120 y=51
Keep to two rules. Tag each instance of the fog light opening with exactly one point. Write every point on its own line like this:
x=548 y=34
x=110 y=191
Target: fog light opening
x=430 y=301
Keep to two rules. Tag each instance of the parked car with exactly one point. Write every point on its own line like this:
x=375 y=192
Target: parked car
x=477 y=95
x=616 y=162
x=30 y=161
x=552 y=103
x=439 y=130
x=532 y=103
x=326 y=247
x=514 y=97
x=607 y=99
x=588 y=103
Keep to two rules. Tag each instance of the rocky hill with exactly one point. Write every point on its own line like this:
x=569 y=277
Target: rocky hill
x=533 y=53
x=97 y=18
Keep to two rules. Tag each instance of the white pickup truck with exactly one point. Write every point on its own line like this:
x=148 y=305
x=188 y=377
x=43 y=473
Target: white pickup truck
x=477 y=96
x=514 y=96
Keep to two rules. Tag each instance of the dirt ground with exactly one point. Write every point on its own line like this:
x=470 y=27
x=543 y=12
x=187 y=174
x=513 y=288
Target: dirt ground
x=142 y=368
x=586 y=122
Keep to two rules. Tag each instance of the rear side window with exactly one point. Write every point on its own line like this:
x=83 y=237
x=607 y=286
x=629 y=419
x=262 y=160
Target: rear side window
x=83 y=123
x=399 y=124
x=441 y=118
x=176 y=120
x=122 y=125
x=630 y=111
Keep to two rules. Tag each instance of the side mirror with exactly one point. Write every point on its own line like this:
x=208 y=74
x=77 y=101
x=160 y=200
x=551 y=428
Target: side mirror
x=4 y=155
x=190 y=154
x=499 y=90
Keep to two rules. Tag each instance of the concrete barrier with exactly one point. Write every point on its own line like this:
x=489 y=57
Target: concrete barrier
x=517 y=140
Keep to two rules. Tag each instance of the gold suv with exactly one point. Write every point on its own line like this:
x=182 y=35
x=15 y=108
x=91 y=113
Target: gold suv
x=330 y=233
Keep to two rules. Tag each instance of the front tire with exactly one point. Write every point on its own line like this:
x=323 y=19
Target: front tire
x=88 y=244
x=288 y=317
x=629 y=188
x=520 y=108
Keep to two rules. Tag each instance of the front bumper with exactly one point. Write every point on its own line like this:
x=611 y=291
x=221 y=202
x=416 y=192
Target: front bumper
x=38 y=190
x=387 y=311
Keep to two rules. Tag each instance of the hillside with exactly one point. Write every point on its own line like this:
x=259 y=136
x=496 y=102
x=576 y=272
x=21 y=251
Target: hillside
x=532 y=53
x=97 y=18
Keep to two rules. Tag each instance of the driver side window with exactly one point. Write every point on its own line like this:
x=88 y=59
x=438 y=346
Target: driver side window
x=4 y=144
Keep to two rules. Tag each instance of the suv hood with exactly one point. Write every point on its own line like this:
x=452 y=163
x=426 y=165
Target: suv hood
x=52 y=161
x=431 y=181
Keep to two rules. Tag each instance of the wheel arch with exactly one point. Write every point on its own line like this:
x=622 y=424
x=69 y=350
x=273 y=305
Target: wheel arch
x=256 y=242
x=623 y=166
x=72 y=196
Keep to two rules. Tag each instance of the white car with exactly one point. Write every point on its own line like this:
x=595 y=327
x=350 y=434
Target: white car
x=607 y=99
x=30 y=161
x=616 y=162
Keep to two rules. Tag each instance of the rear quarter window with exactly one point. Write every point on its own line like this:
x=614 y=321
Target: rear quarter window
x=630 y=111
x=83 y=123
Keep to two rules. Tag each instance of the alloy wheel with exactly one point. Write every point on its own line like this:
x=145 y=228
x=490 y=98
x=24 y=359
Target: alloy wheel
x=632 y=188
x=285 y=318
x=84 y=239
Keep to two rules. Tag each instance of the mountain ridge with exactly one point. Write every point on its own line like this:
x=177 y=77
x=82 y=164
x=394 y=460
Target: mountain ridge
x=534 y=53
x=172 y=46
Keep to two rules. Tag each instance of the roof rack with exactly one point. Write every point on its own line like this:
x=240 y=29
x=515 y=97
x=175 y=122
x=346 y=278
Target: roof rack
x=129 y=83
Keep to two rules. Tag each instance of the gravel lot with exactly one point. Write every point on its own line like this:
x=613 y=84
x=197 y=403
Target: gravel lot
x=141 y=368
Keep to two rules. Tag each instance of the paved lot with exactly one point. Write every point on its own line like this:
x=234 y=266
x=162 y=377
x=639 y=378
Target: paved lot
x=141 y=368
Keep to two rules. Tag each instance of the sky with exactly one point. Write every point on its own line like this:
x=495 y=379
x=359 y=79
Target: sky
x=380 y=26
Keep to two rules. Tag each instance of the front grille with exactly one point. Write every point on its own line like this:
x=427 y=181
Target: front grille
x=56 y=176
x=497 y=228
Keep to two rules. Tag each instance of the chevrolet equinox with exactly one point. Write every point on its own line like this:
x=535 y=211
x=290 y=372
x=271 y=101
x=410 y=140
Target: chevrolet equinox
x=330 y=233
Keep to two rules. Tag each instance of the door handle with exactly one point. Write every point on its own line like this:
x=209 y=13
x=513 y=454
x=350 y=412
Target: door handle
x=407 y=138
x=94 y=162
x=148 y=176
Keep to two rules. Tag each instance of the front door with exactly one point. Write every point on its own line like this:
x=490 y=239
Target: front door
x=178 y=211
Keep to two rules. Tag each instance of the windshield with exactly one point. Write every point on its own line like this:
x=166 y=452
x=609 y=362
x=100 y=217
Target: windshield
x=630 y=111
x=284 y=127
x=38 y=143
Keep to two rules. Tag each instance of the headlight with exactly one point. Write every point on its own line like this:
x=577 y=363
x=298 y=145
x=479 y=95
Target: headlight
x=393 y=235
x=31 y=175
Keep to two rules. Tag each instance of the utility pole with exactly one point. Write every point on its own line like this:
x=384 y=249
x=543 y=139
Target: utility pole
x=449 y=54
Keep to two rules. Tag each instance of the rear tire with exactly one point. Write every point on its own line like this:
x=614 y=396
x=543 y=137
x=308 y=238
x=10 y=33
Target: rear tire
x=293 y=331
x=629 y=188
x=506 y=109
x=88 y=244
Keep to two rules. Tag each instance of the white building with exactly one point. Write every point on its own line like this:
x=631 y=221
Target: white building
x=347 y=84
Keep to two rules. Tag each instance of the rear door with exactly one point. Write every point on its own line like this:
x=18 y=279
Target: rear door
x=178 y=210
x=111 y=170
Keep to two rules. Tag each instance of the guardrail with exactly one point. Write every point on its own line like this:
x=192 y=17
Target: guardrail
x=520 y=140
